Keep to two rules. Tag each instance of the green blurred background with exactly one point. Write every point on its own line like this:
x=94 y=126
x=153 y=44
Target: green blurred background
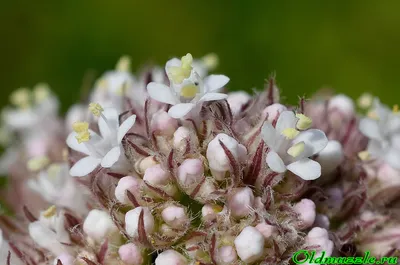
x=351 y=46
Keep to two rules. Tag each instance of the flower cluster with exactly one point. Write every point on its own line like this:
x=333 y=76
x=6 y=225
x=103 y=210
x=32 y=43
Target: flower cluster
x=165 y=168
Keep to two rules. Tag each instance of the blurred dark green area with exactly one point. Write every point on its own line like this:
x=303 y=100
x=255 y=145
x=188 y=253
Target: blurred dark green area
x=351 y=46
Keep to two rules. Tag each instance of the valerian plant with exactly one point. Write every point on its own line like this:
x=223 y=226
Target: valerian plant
x=164 y=167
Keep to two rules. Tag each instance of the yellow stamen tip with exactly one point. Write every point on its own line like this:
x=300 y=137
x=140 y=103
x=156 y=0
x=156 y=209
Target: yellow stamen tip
x=80 y=127
x=180 y=73
x=364 y=155
x=50 y=212
x=365 y=101
x=96 y=109
x=41 y=92
x=395 y=108
x=21 y=98
x=53 y=171
x=187 y=61
x=83 y=137
x=290 y=133
x=189 y=91
x=296 y=149
x=304 y=122
x=38 y=163
x=217 y=208
x=211 y=61
x=124 y=64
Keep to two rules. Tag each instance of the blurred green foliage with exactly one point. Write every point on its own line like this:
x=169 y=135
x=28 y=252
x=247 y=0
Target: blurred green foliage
x=352 y=46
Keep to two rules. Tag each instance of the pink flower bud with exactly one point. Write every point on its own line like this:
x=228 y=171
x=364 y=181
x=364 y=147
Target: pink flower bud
x=319 y=236
x=241 y=202
x=218 y=161
x=156 y=176
x=388 y=176
x=249 y=244
x=206 y=189
x=131 y=184
x=132 y=221
x=180 y=136
x=98 y=225
x=273 y=111
x=171 y=257
x=330 y=157
x=341 y=109
x=209 y=212
x=144 y=164
x=163 y=123
x=190 y=172
x=175 y=216
x=266 y=230
x=130 y=254
x=65 y=258
x=167 y=231
x=306 y=210
x=322 y=221
x=237 y=100
x=226 y=255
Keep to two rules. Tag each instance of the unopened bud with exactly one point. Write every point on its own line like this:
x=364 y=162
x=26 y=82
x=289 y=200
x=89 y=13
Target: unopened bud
x=273 y=111
x=175 y=216
x=98 y=225
x=163 y=123
x=306 y=211
x=190 y=172
x=130 y=254
x=237 y=100
x=267 y=230
x=226 y=255
x=241 y=202
x=171 y=257
x=249 y=244
x=180 y=137
x=128 y=183
x=132 y=221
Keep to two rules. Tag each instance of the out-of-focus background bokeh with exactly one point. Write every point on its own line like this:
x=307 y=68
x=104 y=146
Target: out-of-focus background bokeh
x=351 y=46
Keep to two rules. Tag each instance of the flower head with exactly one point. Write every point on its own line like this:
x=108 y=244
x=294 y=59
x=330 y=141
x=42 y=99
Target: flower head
x=290 y=148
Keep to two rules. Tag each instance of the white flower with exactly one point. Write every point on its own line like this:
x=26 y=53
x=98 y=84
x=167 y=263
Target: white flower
x=187 y=89
x=113 y=86
x=170 y=257
x=105 y=150
x=290 y=148
x=382 y=127
x=249 y=244
x=49 y=231
x=57 y=187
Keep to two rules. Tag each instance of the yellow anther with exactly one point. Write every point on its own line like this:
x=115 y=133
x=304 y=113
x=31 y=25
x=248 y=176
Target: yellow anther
x=37 y=163
x=65 y=154
x=365 y=101
x=216 y=208
x=80 y=127
x=50 y=212
x=296 y=149
x=83 y=137
x=124 y=64
x=41 y=92
x=304 y=122
x=96 y=109
x=101 y=84
x=189 y=91
x=290 y=133
x=211 y=61
x=395 y=108
x=373 y=115
x=180 y=73
x=21 y=98
x=187 y=61
x=53 y=171
x=364 y=155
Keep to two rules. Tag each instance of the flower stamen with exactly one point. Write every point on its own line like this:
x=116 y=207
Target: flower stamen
x=189 y=91
x=364 y=155
x=290 y=133
x=304 y=122
x=21 y=98
x=180 y=73
x=296 y=149
x=124 y=64
x=50 y=212
x=82 y=129
x=41 y=92
x=38 y=163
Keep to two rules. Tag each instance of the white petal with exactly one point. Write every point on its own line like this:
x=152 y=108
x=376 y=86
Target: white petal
x=125 y=127
x=161 y=93
x=84 y=166
x=111 y=125
x=268 y=134
x=392 y=157
x=305 y=168
x=72 y=142
x=214 y=82
x=287 y=119
x=180 y=110
x=213 y=96
x=275 y=162
x=111 y=157
x=370 y=128
x=314 y=140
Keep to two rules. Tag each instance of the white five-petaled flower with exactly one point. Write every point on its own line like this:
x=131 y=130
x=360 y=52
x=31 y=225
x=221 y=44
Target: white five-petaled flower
x=382 y=127
x=49 y=231
x=187 y=89
x=56 y=186
x=290 y=148
x=105 y=150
